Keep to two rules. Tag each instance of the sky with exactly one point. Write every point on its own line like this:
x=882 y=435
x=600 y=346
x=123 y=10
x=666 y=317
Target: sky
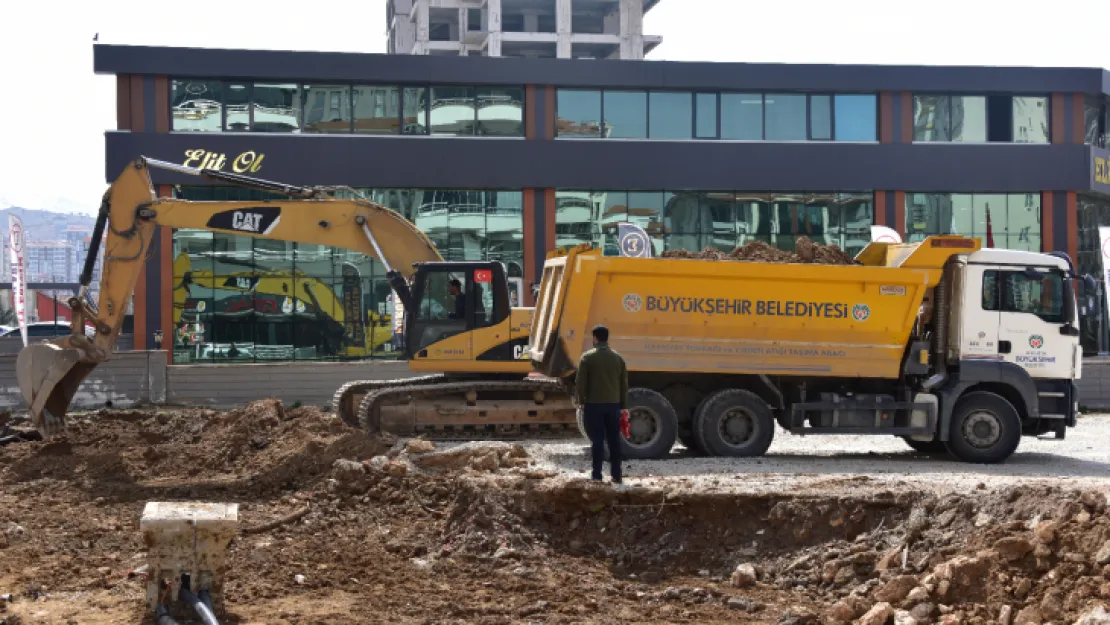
x=52 y=150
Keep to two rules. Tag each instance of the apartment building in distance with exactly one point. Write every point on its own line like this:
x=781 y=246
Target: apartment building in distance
x=565 y=29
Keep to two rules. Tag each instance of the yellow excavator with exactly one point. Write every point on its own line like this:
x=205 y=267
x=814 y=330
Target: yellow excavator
x=342 y=329
x=460 y=331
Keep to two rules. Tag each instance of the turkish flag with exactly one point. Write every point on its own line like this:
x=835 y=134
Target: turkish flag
x=483 y=275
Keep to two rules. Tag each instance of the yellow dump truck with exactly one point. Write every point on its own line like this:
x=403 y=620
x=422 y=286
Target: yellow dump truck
x=947 y=345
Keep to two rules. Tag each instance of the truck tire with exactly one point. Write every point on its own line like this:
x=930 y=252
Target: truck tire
x=734 y=423
x=985 y=429
x=653 y=424
x=926 y=447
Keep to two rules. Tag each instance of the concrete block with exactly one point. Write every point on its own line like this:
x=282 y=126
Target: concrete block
x=186 y=543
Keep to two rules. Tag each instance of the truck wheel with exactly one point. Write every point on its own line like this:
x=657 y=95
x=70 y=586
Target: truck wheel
x=926 y=447
x=985 y=429
x=734 y=423
x=653 y=425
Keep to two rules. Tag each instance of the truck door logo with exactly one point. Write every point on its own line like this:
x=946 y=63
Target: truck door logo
x=1036 y=341
x=861 y=312
x=633 y=303
x=254 y=220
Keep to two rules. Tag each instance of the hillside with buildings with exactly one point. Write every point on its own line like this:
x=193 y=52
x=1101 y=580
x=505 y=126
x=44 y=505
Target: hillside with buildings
x=56 y=244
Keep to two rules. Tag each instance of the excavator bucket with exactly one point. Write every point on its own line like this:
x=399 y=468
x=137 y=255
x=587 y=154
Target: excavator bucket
x=49 y=375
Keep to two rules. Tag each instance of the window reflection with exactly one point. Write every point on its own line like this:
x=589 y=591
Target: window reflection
x=706 y=105
x=252 y=299
x=501 y=112
x=820 y=117
x=742 y=116
x=1030 y=119
x=672 y=115
x=238 y=107
x=276 y=107
x=950 y=118
x=453 y=111
x=1014 y=219
x=376 y=110
x=415 y=102
x=197 y=105
x=579 y=113
x=327 y=108
x=785 y=117
x=626 y=114
x=688 y=220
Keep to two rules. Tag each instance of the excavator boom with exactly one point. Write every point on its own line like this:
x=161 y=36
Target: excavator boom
x=50 y=373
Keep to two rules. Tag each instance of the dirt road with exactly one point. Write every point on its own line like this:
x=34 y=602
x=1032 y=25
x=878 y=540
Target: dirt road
x=818 y=531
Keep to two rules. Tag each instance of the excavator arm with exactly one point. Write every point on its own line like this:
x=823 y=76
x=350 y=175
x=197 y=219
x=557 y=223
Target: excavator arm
x=49 y=373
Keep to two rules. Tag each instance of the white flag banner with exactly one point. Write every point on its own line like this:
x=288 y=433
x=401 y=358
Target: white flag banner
x=1104 y=245
x=19 y=273
x=882 y=234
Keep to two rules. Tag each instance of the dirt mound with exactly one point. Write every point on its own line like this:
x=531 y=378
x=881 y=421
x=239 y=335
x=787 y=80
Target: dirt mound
x=760 y=252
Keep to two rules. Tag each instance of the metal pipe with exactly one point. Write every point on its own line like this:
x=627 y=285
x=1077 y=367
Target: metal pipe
x=203 y=611
x=162 y=616
x=206 y=598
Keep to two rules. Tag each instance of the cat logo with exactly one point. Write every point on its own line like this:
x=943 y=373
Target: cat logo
x=253 y=220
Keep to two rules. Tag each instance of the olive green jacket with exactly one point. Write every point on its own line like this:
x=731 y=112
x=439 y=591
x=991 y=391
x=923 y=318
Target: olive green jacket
x=602 y=377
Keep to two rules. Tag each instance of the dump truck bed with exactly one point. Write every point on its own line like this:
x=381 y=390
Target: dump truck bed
x=704 y=316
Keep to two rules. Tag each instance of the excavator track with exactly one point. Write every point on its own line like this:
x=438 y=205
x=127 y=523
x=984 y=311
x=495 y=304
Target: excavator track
x=344 y=401
x=471 y=410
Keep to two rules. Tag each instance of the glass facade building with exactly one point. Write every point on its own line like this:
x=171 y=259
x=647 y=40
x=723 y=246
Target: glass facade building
x=506 y=159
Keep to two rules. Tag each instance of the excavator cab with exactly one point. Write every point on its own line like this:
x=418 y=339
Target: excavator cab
x=449 y=301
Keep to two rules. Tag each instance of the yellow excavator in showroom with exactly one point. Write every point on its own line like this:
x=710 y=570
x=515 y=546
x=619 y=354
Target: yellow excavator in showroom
x=460 y=331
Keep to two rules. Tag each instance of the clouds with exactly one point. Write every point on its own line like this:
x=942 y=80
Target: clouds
x=56 y=110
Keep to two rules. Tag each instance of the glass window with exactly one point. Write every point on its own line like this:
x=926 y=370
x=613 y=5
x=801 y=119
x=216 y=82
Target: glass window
x=988 y=219
x=672 y=115
x=969 y=119
x=1023 y=227
x=1030 y=119
x=238 y=107
x=706 y=105
x=626 y=114
x=686 y=222
x=453 y=111
x=856 y=117
x=577 y=217
x=501 y=112
x=1092 y=119
x=197 y=105
x=327 y=108
x=645 y=209
x=990 y=290
x=1042 y=295
x=820 y=117
x=742 y=116
x=930 y=118
x=376 y=110
x=785 y=117
x=276 y=108
x=415 y=111
x=1014 y=218
x=579 y=113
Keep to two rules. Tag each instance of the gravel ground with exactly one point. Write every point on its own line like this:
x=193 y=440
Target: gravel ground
x=805 y=463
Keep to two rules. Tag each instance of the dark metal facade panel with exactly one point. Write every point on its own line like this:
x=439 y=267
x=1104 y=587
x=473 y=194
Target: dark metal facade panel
x=617 y=164
x=153 y=277
x=540 y=113
x=1060 y=221
x=289 y=65
x=891 y=211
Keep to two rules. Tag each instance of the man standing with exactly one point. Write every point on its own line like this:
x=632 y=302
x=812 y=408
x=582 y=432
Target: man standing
x=454 y=287
x=602 y=390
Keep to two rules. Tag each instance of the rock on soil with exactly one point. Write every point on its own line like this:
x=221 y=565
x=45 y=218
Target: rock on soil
x=808 y=251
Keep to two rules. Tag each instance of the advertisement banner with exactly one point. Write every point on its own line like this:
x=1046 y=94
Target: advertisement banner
x=1104 y=245
x=633 y=241
x=19 y=273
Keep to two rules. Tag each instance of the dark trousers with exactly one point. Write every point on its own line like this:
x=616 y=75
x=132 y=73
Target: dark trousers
x=603 y=424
